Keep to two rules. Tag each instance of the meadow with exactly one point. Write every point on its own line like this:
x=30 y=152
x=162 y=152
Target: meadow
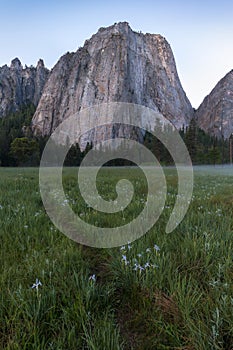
x=162 y=291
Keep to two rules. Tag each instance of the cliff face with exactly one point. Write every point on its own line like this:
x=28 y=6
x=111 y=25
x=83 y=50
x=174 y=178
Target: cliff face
x=215 y=114
x=20 y=86
x=117 y=65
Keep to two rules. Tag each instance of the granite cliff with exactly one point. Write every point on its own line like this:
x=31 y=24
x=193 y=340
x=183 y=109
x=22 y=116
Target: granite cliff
x=21 y=86
x=215 y=114
x=116 y=64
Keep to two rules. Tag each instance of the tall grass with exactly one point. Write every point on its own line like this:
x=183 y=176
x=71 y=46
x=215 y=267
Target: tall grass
x=163 y=291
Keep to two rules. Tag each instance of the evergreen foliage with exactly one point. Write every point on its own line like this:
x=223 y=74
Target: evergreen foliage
x=19 y=147
x=11 y=127
x=25 y=151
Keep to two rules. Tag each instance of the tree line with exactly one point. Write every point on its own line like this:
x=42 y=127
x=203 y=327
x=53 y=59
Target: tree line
x=18 y=147
x=203 y=148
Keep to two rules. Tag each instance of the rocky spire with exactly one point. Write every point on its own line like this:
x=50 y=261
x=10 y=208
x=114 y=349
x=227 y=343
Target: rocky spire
x=20 y=86
x=16 y=64
x=40 y=64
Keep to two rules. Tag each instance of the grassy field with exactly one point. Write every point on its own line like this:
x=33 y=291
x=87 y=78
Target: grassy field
x=163 y=291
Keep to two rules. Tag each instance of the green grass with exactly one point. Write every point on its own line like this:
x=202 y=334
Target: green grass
x=182 y=300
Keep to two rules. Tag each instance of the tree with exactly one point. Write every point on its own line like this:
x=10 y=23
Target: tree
x=12 y=127
x=214 y=155
x=191 y=139
x=74 y=156
x=25 y=151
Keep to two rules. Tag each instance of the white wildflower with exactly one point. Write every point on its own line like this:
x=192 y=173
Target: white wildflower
x=92 y=278
x=37 y=284
x=129 y=245
x=156 y=248
x=124 y=258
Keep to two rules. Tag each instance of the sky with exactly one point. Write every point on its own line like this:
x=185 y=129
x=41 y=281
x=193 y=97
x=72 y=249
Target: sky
x=200 y=33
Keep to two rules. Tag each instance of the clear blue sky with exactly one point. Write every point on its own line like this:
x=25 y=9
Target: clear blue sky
x=199 y=32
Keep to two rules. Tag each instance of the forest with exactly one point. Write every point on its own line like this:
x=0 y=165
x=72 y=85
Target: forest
x=18 y=146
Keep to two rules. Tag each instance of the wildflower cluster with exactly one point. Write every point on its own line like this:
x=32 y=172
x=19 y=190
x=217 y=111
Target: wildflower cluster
x=143 y=261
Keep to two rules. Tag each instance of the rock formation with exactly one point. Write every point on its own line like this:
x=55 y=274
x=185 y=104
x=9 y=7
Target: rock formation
x=20 y=86
x=215 y=114
x=116 y=64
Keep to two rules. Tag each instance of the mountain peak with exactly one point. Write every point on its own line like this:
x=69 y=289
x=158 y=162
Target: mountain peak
x=117 y=25
x=16 y=64
x=40 y=64
x=116 y=64
x=215 y=113
x=20 y=86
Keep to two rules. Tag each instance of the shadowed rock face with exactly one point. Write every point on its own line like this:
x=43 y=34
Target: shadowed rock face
x=20 y=86
x=215 y=114
x=117 y=65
